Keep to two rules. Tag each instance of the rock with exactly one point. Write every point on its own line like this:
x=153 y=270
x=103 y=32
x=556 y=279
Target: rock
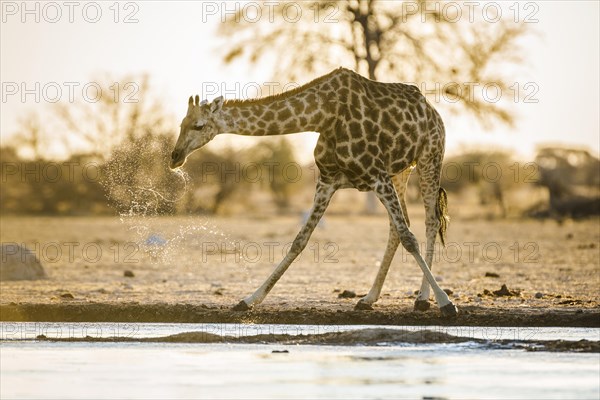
x=219 y=292
x=67 y=296
x=347 y=294
x=539 y=295
x=18 y=263
x=128 y=274
x=491 y=275
x=505 y=292
x=448 y=292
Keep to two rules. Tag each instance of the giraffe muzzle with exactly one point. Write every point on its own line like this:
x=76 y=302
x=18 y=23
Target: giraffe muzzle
x=176 y=159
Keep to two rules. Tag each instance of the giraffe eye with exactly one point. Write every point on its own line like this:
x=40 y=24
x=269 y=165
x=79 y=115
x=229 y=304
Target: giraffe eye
x=198 y=127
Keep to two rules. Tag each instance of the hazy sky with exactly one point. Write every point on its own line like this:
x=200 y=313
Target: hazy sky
x=175 y=43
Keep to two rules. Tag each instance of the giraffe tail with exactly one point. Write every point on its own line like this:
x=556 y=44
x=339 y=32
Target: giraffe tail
x=442 y=214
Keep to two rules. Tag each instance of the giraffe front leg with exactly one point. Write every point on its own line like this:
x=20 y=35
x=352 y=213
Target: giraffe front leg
x=386 y=194
x=393 y=241
x=322 y=197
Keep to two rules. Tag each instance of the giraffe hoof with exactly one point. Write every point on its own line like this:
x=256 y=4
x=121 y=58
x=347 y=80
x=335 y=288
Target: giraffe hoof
x=449 y=310
x=361 y=305
x=241 y=306
x=422 y=305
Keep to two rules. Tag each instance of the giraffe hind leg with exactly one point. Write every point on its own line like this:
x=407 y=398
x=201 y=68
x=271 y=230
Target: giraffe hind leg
x=434 y=201
x=387 y=195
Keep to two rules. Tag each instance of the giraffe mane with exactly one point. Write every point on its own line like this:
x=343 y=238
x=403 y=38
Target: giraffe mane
x=284 y=95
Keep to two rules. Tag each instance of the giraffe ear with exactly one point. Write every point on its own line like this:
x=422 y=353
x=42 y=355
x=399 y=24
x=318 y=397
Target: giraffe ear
x=217 y=104
x=190 y=105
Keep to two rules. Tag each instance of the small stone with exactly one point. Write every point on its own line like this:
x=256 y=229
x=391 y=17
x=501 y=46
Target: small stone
x=67 y=296
x=41 y=337
x=491 y=275
x=128 y=274
x=539 y=295
x=347 y=294
x=219 y=292
x=505 y=292
x=448 y=292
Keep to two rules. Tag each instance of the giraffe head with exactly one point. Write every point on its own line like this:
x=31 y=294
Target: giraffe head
x=200 y=125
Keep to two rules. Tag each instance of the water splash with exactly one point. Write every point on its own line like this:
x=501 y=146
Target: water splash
x=144 y=191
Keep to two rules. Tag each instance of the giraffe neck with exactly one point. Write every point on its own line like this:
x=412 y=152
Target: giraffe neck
x=300 y=110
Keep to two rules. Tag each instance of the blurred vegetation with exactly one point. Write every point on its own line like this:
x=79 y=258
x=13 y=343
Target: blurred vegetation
x=572 y=178
x=119 y=165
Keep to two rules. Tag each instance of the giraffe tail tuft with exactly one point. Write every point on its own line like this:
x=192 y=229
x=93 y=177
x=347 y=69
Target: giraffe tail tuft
x=442 y=214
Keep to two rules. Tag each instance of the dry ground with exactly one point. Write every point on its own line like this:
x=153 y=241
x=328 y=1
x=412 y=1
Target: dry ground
x=208 y=264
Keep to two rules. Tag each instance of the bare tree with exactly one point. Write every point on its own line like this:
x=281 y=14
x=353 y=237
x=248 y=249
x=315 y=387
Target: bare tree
x=419 y=41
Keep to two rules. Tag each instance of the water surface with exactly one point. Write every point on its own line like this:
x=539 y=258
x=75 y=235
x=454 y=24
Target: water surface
x=33 y=369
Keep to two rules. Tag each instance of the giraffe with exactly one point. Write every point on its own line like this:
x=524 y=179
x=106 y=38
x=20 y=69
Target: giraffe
x=371 y=136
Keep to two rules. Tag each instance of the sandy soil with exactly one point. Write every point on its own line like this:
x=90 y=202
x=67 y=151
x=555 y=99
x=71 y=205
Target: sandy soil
x=194 y=269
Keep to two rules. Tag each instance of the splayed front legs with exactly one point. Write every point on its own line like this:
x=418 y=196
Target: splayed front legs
x=322 y=197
